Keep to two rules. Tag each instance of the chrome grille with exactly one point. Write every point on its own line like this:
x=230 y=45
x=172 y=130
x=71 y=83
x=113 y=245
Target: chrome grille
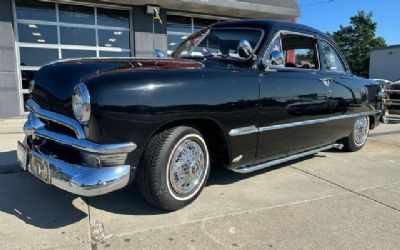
x=49 y=116
x=63 y=137
x=394 y=87
x=391 y=102
x=58 y=128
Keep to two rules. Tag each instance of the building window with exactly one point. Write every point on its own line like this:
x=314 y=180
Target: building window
x=47 y=31
x=180 y=27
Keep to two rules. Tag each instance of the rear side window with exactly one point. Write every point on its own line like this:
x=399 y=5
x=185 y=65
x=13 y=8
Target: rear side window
x=331 y=60
x=297 y=51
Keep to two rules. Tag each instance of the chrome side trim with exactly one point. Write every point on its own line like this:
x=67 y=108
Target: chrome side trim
x=316 y=121
x=251 y=168
x=243 y=131
x=254 y=129
x=34 y=127
x=57 y=118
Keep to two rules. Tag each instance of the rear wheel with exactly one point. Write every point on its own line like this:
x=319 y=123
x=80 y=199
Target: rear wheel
x=358 y=137
x=175 y=168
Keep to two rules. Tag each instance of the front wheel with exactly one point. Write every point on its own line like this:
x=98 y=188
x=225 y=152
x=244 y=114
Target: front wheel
x=358 y=137
x=175 y=168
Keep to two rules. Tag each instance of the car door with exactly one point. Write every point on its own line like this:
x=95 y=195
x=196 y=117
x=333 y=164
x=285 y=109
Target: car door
x=293 y=95
x=347 y=95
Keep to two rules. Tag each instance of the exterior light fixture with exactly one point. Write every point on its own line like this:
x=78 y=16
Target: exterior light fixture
x=150 y=9
x=81 y=103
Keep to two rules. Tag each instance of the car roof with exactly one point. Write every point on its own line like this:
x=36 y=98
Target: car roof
x=267 y=24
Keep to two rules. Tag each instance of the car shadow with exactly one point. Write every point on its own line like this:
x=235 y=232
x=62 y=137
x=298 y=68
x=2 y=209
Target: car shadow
x=223 y=176
x=129 y=201
x=41 y=205
x=8 y=162
x=37 y=203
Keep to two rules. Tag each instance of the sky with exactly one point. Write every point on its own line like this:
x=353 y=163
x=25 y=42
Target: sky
x=328 y=15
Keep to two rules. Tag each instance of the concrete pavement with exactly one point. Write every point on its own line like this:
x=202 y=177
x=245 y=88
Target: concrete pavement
x=333 y=200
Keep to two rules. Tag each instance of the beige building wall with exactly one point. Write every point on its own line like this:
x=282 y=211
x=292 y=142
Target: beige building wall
x=385 y=63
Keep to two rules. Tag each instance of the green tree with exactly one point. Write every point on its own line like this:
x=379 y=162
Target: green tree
x=356 y=40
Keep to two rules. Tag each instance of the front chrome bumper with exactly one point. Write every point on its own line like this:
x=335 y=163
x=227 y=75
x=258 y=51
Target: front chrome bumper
x=79 y=179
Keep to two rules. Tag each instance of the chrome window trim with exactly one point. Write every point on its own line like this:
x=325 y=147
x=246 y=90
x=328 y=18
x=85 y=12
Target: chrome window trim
x=343 y=61
x=288 y=32
x=254 y=129
x=33 y=107
x=297 y=33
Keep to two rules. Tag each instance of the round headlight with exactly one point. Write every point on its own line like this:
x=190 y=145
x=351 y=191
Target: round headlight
x=81 y=103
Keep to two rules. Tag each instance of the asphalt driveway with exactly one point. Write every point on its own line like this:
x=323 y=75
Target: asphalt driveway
x=332 y=200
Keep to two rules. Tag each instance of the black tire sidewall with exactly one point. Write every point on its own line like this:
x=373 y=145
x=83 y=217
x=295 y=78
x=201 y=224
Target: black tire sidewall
x=168 y=196
x=350 y=144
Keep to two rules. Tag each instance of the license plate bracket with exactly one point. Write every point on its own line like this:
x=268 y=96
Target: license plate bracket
x=40 y=168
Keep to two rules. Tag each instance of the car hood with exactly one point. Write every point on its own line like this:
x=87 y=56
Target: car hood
x=134 y=63
x=54 y=82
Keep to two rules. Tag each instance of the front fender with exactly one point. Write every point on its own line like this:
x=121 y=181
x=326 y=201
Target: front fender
x=134 y=105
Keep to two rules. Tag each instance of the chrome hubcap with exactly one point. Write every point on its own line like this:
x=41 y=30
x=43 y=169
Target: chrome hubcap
x=187 y=167
x=361 y=128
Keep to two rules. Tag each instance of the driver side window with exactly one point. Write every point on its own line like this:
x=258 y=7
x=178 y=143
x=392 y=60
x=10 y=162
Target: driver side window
x=293 y=51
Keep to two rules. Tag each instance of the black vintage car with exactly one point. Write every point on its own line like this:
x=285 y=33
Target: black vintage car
x=243 y=94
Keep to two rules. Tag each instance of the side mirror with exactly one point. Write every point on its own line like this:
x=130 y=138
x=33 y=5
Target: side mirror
x=245 y=50
x=158 y=53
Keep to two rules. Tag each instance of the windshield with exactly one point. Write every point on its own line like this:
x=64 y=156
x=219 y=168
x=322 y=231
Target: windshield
x=217 y=42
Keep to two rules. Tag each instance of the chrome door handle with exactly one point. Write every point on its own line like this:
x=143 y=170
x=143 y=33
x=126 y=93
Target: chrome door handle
x=326 y=81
